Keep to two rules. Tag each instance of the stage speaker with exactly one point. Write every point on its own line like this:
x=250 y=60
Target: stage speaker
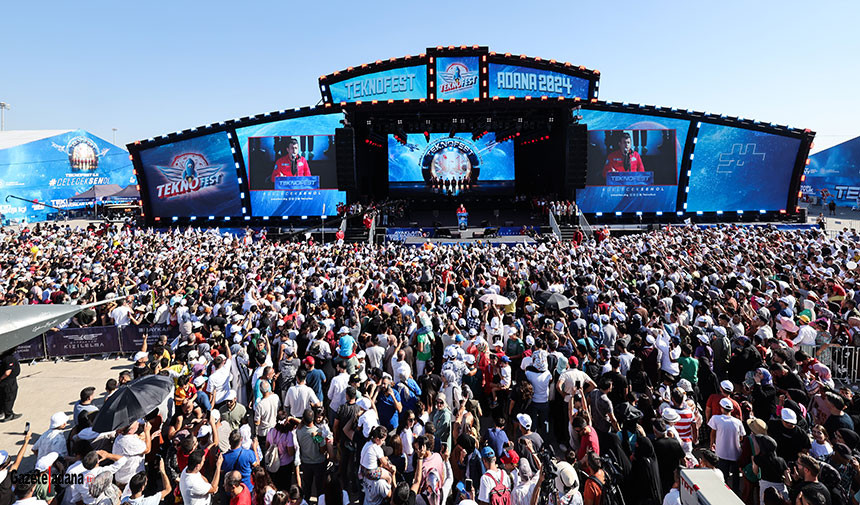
x=576 y=157
x=344 y=146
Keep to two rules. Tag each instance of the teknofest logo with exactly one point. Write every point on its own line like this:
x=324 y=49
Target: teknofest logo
x=457 y=77
x=450 y=159
x=188 y=172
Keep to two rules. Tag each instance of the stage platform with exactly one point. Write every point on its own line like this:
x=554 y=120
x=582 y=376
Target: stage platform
x=508 y=241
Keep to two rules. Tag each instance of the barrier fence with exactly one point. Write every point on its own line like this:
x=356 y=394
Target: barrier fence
x=94 y=340
x=843 y=361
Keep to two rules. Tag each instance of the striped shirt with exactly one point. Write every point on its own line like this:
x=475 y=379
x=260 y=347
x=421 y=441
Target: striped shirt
x=685 y=425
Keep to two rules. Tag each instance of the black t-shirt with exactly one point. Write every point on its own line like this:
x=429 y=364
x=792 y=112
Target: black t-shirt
x=772 y=467
x=789 y=381
x=619 y=385
x=429 y=384
x=789 y=442
x=345 y=414
x=834 y=423
x=10 y=362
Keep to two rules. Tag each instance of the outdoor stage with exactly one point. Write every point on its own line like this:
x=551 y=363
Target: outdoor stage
x=470 y=236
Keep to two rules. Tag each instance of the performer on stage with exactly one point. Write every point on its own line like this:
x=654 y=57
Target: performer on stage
x=462 y=217
x=292 y=164
x=623 y=159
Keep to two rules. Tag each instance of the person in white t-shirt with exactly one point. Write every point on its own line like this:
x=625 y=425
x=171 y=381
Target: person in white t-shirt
x=193 y=486
x=134 y=447
x=138 y=483
x=374 y=464
x=726 y=435
x=491 y=477
x=300 y=396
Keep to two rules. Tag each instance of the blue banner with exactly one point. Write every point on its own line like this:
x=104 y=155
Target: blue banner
x=512 y=80
x=629 y=178
x=82 y=341
x=56 y=168
x=33 y=349
x=394 y=84
x=739 y=169
x=132 y=336
x=457 y=77
x=314 y=202
x=835 y=172
x=302 y=182
x=194 y=177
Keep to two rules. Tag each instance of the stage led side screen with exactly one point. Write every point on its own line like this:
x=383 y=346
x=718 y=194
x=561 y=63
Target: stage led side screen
x=512 y=80
x=291 y=166
x=395 y=84
x=634 y=162
x=194 y=177
x=835 y=171
x=450 y=165
x=457 y=77
x=740 y=169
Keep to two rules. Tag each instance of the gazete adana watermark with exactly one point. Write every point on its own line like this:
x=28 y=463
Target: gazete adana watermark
x=50 y=478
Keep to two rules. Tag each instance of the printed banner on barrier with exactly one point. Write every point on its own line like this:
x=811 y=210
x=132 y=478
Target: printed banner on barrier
x=629 y=178
x=132 y=336
x=33 y=349
x=82 y=341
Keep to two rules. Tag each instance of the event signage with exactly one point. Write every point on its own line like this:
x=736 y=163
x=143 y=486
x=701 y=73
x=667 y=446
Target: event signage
x=630 y=178
x=82 y=341
x=302 y=182
x=511 y=80
x=395 y=84
x=457 y=77
x=132 y=336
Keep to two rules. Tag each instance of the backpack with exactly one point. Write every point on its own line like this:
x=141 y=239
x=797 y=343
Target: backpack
x=610 y=492
x=500 y=494
x=272 y=458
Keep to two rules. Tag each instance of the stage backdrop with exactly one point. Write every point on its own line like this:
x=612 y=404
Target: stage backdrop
x=836 y=170
x=55 y=167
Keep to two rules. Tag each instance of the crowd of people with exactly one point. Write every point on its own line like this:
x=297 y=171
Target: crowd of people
x=574 y=373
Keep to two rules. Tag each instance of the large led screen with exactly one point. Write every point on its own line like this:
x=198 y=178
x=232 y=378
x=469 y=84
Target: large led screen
x=835 y=171
x=292 y=170
x=394 y=84
x=513 y=80
x=634 y=162
x=740 y=169
x=194 y=177
x=450 y=165
x=457 y=77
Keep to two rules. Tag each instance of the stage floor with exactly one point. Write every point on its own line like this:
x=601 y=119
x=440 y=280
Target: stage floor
x=470 y=236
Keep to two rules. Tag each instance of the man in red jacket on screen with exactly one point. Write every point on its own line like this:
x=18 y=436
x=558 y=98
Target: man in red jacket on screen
x=623 y=159
x=291 y=164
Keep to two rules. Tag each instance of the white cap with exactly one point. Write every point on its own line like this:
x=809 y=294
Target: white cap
x=727 y=386
x=199 y=380
x=58 y=419
x=139 y=355
x=525 y=420
x=726 y=403
x=46 y=461
x=788 y=416
x=203 y=431
x=671 y=416
x=470 y=358
x=231 y=395
x=4 y=457
x=216 y=415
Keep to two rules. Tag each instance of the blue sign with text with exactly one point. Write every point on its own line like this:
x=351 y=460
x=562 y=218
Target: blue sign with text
x=394 y=84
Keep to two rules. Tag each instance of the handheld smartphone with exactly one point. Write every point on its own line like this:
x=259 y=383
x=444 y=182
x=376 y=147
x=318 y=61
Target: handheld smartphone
x=469 y=485
x=27 y=427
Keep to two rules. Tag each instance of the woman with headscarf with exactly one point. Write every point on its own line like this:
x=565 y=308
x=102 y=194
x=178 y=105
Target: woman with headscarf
x=441 y=419
x=763 y=394
x=644 y=476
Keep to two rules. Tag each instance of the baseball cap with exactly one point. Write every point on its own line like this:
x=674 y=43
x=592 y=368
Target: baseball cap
x=525 y=420
x=727 y=386
x=309 y=360
x=510 y=457
x=46 y=461
x=231 y=395
x=726 y=403
x=58 y=419
x=488 y=452
x=139 y=355
x=788 y=416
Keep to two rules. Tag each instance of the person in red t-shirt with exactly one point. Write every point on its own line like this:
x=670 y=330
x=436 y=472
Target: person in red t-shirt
x=291 y=164
x=236 y=489
x=623 y=159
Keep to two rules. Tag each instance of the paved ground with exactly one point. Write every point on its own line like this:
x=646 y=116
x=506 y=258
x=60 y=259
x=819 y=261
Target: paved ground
x=47 y=387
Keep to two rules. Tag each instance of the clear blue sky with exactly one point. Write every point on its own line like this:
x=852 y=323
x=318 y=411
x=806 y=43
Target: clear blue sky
x=155 y=67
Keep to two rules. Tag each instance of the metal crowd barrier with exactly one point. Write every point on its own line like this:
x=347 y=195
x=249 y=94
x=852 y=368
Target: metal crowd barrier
x=843 y=362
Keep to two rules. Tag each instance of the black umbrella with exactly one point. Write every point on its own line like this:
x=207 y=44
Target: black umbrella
x=132 y=402
x=557 y=302
x=542 y=296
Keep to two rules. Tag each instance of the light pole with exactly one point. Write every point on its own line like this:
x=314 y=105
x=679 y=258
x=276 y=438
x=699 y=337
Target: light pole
x=3 y=108
x=114 y=135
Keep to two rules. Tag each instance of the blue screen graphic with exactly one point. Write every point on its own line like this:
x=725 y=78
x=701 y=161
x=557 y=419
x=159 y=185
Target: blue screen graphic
x=395 y=84
x=657 y=141
x=457 y=77
x=740 y=169
x=54 y=169
x=194 y=177
x=266 y=151
x=457 y=163
x=513 y=80
x=836 y=171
